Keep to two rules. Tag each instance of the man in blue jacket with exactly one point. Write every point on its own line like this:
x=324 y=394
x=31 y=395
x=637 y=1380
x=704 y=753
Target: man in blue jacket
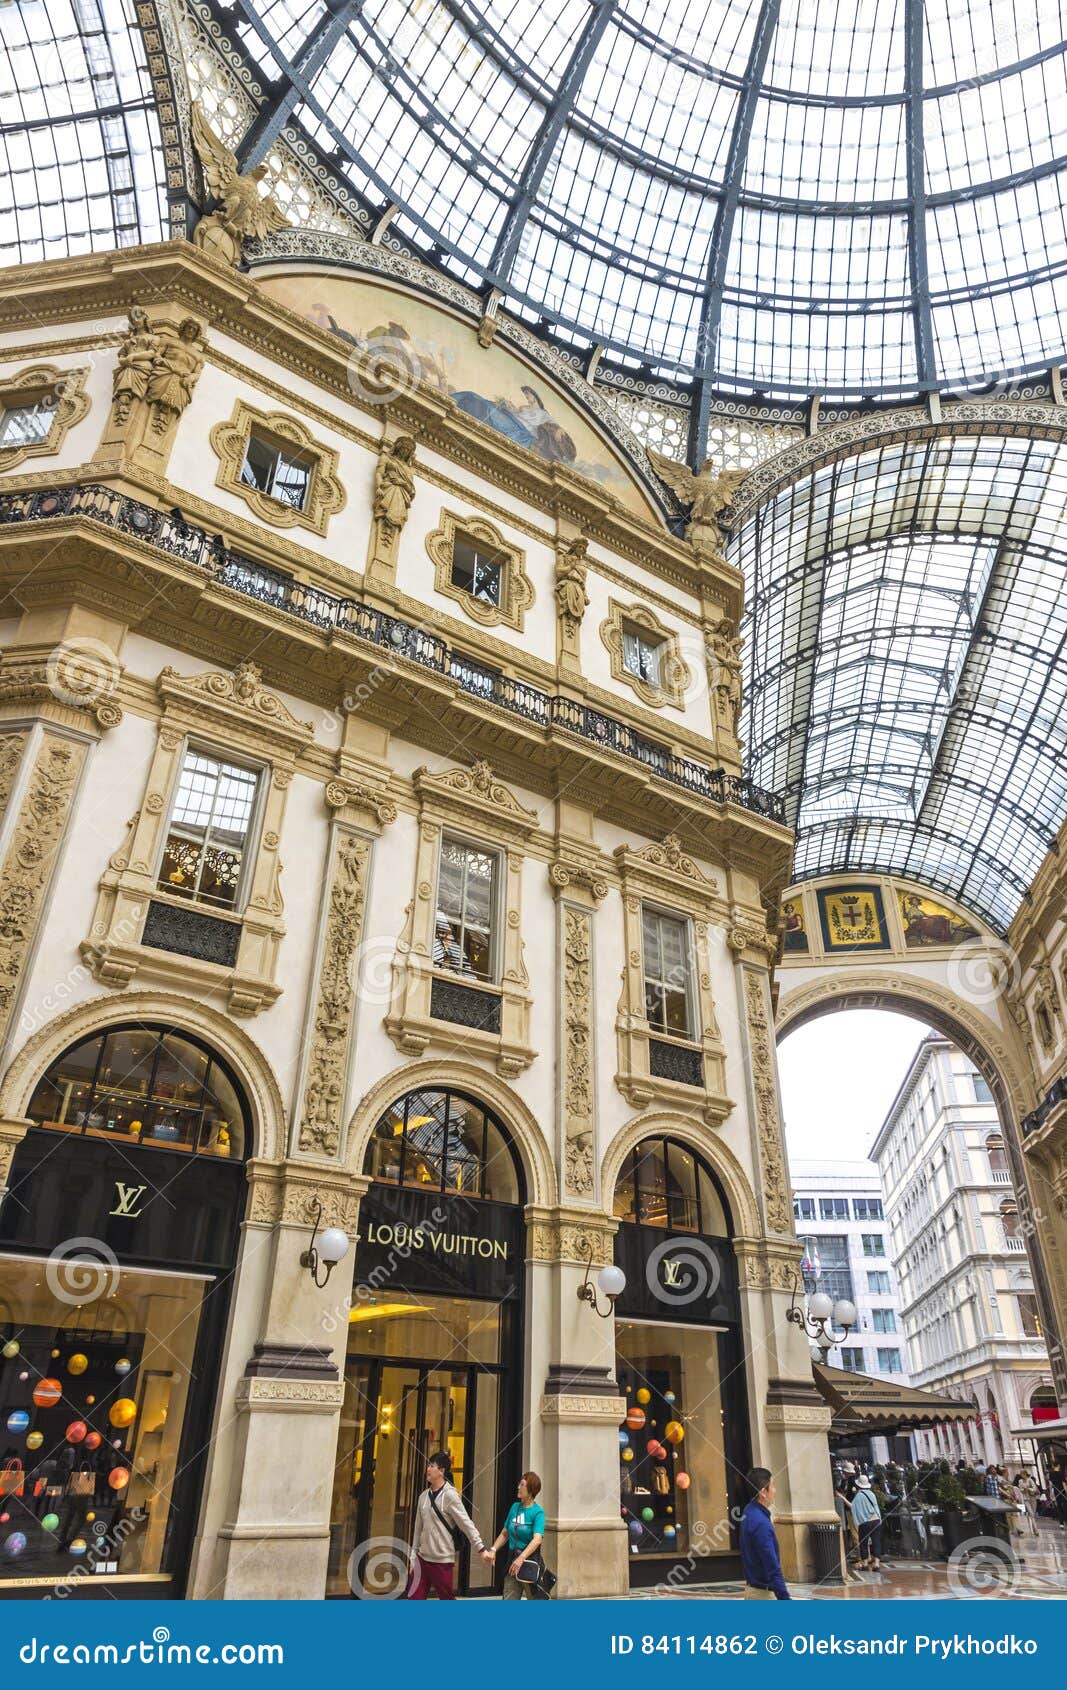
x=759 y=1545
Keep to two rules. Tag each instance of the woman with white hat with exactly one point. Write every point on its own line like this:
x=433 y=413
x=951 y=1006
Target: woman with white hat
x=868 y=1521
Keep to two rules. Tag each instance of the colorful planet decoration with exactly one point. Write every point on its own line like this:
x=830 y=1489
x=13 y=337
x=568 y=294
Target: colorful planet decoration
x=635 y=1419
x=18 y=1420
x=93 y=1440
x=90 y=1515
x=4 y=1518
x=123 y=1412
x=669 y=1396
x=76 y=1431
x=643 y=1395
x=116 y=1443
x=660 y=1453
x=636 y=1528
x=648 y=1515
x=123 y=1365
x=54 y=1354
x=627 y=1454
x=34 y=1440
x=624 y=1437
x=47 y=1392
x=77 y=1363
x=653 y=1447
x=670 y=1531
x=682 y=1481
x=119 y=1478
x=90 y=1401
x=674 y=1431
x=11 y=1349
x=78 y=1546
x=23 y=1376
x=15 y=1544
x=50 y=1522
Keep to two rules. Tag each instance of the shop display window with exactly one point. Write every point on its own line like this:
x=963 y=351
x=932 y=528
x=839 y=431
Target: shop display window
x=147 y=1086
x=92 y=1406
x=662 y=1184
x=441 y=1141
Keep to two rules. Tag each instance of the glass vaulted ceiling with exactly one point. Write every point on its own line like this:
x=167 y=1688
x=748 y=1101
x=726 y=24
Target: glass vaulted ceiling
x=906 y=635
x=81 y=165
x=849 y=197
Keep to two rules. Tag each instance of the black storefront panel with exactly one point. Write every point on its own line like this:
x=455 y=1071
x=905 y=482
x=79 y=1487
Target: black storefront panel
x=439 y=1244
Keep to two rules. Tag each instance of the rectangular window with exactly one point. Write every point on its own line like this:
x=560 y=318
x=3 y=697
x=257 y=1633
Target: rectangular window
x=851 y=1359
x=878 y=1282
x=208 y=835
x=889 y=1361
x=465 y=929
x=1029 y=1318
x=642 y=655
x=803 y=1208
x=279 y=471
x=982 y=1093
x=884 y=1320
x=833 y=1208
x=668 y=990
x=867 y=1208
x=824 y=1265
x=29 y=422
x=873 y=1244
x=477 y=571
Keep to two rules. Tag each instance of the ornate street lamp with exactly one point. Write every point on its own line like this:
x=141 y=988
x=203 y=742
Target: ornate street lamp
x=822 y=1315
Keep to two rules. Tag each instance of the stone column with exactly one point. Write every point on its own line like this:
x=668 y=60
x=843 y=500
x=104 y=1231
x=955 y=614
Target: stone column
x=576 y=1406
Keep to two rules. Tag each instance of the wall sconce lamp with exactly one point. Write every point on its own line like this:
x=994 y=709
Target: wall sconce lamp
x=611 y=1281
x=821 y=1316
x=333 y=1247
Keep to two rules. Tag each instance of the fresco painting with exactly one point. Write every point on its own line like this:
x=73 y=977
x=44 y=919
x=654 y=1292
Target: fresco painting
x=929 y=923
x=853 y=919
x=426 y=344
x=794 y=929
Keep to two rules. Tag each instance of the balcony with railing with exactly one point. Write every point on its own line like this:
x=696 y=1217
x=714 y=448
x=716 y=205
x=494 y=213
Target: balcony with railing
x=169 y=532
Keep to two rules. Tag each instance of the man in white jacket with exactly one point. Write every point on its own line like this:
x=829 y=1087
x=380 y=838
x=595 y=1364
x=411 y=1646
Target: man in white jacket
x=439 y=1510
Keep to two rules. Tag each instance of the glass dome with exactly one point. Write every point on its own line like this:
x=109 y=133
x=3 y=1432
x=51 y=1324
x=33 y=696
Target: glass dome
x=860 y=199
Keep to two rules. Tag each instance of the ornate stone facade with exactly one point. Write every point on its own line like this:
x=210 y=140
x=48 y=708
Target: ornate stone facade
x=327 y=1073
x=578 y=1070
x=776 y=1195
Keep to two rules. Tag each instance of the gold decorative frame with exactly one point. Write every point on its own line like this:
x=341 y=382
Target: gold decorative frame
x=516 y=589
x=475 y=803
x=229 y=442
x=236 y=714
x=665 y=876
x=676 y=675
x=72 y=404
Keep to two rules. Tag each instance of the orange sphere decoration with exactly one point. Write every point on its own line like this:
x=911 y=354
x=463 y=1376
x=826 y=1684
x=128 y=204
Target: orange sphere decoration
x=644 y=1396
x=47 y=1392
x=119 y=1478
x=76 y=1431
x=682 y=1481
x=77 y=1364
x=123 y=1412
x=674 y=1432
x=90 y=1401
x=92 y=1441
x=635 y=1419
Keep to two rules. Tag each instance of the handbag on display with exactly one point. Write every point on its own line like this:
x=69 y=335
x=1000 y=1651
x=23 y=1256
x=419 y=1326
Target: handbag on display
x=82 y=1482
x=660 y=1482
x=12 y=1478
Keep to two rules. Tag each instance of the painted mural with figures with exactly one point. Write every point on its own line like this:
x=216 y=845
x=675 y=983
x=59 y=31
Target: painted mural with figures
x=427 y=344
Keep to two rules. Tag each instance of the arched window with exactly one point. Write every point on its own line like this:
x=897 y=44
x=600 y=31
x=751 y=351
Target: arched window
x=663 y=1183
x=146 y=1085
x=1009 y=1220
x=998 y=1161
x=444 y=1141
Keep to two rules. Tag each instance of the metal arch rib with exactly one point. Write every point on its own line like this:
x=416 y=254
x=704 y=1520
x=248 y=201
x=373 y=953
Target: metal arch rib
x=719 y=248
x=918 y=262
x=507 y=244
x=280 y=104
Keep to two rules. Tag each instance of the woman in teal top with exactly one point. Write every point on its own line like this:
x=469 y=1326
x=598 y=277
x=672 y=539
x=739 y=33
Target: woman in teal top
x=523 y=1532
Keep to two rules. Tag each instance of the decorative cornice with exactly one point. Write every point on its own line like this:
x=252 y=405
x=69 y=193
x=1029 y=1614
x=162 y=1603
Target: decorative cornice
x=237 y=699
x=475 y=793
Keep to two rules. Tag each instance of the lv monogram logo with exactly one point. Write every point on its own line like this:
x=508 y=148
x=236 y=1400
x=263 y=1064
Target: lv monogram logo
x=672 y=1272
x=126 y=1196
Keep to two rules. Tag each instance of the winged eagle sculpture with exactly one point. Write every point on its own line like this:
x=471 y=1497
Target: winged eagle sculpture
x=241 y=212
x=706 y=493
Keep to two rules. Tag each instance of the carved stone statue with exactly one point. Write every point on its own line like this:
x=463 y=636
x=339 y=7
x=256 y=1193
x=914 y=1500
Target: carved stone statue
x=707 y=494
x=242 y=211
x=136 y=356
x=724 y=650
x=176 y=367
x=394 y=485
x=571 y=596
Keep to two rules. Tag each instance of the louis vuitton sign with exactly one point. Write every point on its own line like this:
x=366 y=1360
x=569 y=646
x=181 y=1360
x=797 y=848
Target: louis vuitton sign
x=433 y=1242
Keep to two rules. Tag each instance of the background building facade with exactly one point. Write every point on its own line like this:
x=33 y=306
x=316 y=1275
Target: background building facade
x=966 y=1293
x=838 y=1210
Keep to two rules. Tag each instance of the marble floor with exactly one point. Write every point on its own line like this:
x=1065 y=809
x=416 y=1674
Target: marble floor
x=1031 y=1569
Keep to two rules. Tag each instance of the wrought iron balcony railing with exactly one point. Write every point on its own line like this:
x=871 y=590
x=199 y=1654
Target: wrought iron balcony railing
x=171 y=533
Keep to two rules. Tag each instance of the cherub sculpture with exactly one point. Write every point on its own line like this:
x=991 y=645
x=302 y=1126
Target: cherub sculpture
x=242 y=212
x=707 y=494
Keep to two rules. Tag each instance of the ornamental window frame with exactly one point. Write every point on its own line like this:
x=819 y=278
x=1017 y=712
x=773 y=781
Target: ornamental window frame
x=196 y=746
x=472 y=806
x=234 y=718
x=675 y=675
x=230 y=441
x=29 y=385
x=471 y=846
x=516 y=589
